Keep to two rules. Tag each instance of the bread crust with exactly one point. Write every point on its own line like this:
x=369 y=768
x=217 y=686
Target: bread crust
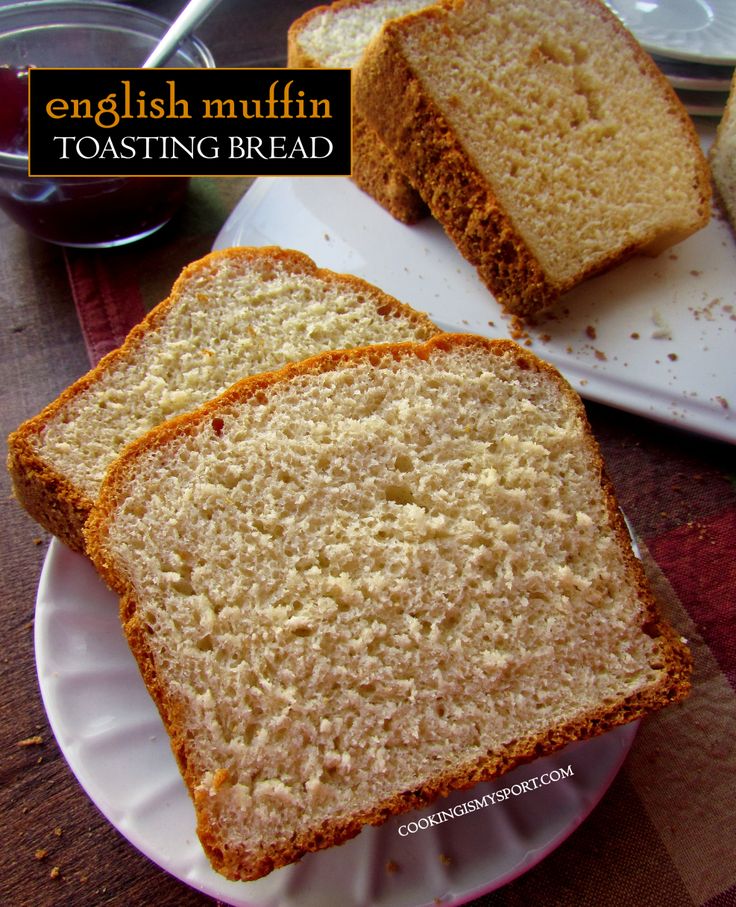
x=457 y=194
x=238 y=863
x=460 y=197
x=50 y=497
x=374 y=169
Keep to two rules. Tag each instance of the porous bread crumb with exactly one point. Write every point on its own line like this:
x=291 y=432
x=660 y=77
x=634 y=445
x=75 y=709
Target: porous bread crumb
x=662 y=330
x=340 y=33
x=257 y=318
x=542 y=137
x=388 y=569
x=258 y=308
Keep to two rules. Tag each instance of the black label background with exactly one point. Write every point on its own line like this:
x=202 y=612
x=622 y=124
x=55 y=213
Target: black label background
x=192 y=86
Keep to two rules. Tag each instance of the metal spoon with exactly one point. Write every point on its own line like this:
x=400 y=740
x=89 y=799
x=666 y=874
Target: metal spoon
x=185 y=23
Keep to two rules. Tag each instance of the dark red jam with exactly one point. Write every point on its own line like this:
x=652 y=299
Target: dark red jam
x=76 y=211
x=94 y=212
x=13 y=109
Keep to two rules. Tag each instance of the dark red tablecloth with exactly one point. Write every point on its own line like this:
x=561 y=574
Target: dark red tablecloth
x=664 y=834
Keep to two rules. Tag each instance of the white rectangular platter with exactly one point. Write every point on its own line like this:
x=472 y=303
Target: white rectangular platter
x=655 y=336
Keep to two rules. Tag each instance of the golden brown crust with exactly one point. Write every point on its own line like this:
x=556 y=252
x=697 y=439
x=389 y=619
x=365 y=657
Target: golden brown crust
x=51 y=498
x=377 y=172
x=457 y=194
x=237 y=863
x=43 y=492
x=374 y=168
x=459 y=197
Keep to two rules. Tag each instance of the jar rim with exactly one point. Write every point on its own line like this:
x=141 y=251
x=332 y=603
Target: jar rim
x=18 y=161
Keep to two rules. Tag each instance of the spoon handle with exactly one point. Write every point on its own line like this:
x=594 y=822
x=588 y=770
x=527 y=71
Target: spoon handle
x=187 y=20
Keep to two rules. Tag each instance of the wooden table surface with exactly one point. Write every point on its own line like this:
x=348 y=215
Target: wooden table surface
x=664 y=833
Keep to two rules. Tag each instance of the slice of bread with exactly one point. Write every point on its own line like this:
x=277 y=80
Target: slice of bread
x=372 y=577
x=231 y=314
x=722 y=157
x=335 y=36
x=543 y=138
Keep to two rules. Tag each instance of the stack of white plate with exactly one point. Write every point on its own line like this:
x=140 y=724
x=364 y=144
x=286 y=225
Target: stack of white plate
x=692 y=41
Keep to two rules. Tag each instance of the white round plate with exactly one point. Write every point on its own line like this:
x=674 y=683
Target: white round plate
x=700 y=30
x=111 y=736
x=702 y=103
x=681 y=74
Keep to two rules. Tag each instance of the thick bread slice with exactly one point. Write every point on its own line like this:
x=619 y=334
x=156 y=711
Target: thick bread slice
x=231 y=314
x=335 y=36
x=543 y=138
x=372 y=577
x=722 y=157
